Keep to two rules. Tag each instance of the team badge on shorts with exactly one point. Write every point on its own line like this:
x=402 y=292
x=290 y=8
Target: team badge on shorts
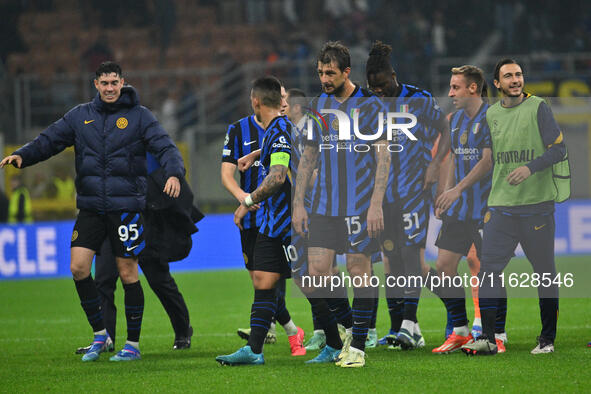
x=388 y=245
x=486 y=217
x=121 y=123
x=74 y=235
x=245 y=258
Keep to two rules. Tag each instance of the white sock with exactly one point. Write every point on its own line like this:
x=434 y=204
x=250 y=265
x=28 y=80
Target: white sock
x=462 y=331
x=272 y=328
x=408 y=325
x=417 y=329
x=502 y=336
x=319 y=332
x=290 y=328
x=101 y=332
x=136 y=345
x=355 y=350
x=477 y=322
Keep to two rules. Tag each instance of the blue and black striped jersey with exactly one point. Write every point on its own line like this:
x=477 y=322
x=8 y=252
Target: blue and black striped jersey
x=297 y=143
x=277 y=208
x=469 y=136
x=346 y=174
x=408 y=167
x=243 y=137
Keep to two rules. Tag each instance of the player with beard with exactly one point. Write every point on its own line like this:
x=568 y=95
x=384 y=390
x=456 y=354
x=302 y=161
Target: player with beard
x=346 y=212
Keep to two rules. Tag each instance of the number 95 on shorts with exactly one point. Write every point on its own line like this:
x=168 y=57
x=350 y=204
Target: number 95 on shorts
x=125 y=231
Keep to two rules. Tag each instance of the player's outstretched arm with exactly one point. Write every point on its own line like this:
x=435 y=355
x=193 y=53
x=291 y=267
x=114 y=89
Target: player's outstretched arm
x=375 y=214
x=15 y=160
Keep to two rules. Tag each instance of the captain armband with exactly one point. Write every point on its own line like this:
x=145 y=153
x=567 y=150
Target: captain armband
x=280 y=158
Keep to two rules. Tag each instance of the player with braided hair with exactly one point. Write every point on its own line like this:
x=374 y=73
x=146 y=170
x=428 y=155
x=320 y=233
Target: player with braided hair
x=408 y=195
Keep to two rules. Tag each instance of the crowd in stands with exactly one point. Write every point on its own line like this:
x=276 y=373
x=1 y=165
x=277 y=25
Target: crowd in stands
x=66 y=37
x=184 y=33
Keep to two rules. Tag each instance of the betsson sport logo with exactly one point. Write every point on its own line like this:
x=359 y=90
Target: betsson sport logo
x=349 y=141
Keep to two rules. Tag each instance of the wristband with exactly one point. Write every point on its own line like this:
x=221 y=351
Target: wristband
x=248 y=201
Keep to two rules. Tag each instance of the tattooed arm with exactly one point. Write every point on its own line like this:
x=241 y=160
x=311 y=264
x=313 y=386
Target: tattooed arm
x=375 y=215
x=271 y=184
x=305 y=170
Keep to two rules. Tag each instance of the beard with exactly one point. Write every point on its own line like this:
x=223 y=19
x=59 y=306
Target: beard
x=337 y=90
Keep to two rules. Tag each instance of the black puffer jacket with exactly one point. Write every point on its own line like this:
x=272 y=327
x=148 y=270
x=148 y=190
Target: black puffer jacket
x=110 y=142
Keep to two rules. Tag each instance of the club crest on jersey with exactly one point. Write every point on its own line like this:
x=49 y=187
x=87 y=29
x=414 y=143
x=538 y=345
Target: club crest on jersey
x=121 y=123
x=476 y=128
x=335 y=124
x=464 y=138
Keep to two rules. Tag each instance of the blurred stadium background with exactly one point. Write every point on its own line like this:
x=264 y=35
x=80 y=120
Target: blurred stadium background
x=192 y=63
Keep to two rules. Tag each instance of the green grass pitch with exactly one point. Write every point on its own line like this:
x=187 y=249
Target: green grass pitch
x=41 y=324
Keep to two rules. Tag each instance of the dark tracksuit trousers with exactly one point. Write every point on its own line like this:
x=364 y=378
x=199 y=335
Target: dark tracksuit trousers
x=162 y=283
x=502 y=233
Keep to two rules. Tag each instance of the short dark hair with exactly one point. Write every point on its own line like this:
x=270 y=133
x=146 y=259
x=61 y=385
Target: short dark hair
x=501 y=63
x=379 y=59
x=335 y=51
x=268 y=90
x=293 y=93
x=107 y=68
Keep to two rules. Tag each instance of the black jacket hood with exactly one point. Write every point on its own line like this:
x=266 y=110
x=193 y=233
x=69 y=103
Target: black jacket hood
x=129 y=98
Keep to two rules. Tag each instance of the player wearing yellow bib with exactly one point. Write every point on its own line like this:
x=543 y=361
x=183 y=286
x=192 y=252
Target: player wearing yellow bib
x=530 y=173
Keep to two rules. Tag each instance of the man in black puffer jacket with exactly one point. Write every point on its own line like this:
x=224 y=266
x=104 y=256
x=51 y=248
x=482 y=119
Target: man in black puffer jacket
x=110 y=135
x=169 y=225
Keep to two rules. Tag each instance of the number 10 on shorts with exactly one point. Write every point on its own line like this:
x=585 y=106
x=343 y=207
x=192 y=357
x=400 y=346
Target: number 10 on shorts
x=291 y=253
